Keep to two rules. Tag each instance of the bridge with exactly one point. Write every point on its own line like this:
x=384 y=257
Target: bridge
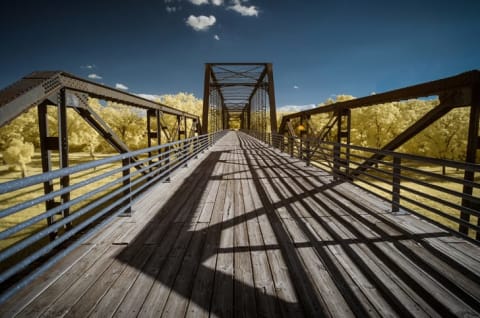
x=211 y=220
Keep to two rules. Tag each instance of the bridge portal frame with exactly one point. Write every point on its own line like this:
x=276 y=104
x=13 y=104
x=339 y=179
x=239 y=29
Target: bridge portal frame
x=241 y=90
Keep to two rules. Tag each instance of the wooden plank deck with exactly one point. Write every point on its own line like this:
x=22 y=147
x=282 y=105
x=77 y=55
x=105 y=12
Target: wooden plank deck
x=248 y=231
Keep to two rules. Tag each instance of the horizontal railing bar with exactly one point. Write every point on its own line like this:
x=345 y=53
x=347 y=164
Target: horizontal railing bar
x=47 y=248
x=321 y=154
x=47 y=176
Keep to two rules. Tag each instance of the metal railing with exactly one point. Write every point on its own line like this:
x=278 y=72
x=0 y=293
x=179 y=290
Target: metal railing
x=427 y=187
x=89 y=208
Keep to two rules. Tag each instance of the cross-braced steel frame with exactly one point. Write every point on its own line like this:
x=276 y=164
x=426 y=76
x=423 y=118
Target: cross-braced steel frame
x=462 y=90
x=239 y=91
x=62 y=90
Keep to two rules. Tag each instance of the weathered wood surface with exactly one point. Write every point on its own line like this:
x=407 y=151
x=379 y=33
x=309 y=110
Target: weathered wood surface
x=248 y=231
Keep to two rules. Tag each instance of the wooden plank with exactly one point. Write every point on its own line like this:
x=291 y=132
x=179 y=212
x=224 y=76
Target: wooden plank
x=287 y=297
x=338 y=210
x=157 y=297
x=414 y=254
x=244 y=287
x=454 y=274
x=178 y=300
x=452 y=304
x=138 y=292
x=62 y=305
x=277 y=239
x=332 y=284
x=199 y=305
x=367 y=292
x=67 y=270
x=326 y=287
x=369 y=262
x=303 y=283
x=390 y=285
x=112 y=299
x=266 y=303
x=222 y=297
x=470 y=261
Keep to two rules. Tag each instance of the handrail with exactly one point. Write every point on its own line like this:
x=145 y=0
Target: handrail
x=116 y=197
x=397 y=178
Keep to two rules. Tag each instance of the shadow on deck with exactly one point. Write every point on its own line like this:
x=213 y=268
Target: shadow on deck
x=252 y=232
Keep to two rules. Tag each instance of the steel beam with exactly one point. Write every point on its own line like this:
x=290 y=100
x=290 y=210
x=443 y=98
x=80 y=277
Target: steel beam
x=271 y=99
x=45 y=153
x=473 y=145
x=63 y=148
x=34 y=88
x=438 y=87
x=429 y=118
x=206 y=98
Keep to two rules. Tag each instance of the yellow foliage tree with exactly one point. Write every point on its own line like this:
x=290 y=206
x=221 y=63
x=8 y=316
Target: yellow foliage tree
x=18 y=154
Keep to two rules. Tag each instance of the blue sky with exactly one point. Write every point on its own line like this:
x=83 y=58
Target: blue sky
x=319 y=48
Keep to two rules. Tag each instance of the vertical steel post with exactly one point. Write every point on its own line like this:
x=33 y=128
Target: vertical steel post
x=46 y=159
x=159 y=130
x=473 y=146
x=63 y=149
x=206 y=98
x=397 y=170
x=150 y=134
x=271 y=99
x=249 y=115
x=126 y=182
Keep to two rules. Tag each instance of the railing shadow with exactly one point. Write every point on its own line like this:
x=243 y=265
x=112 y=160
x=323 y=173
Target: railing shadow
x=181 y=247
x=185 y=202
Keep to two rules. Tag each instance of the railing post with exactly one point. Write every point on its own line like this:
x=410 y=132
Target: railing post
x=397 y=170
x=290 y=144
x=195 y=146
x=167 y=163
x=307 y=152
x=185 y=153
x=126 y=182
x=336 y=160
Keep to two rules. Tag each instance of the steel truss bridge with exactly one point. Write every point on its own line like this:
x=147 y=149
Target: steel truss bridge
x=230 y=215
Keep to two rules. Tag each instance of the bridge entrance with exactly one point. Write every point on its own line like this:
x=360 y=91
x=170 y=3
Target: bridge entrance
x=239 y=96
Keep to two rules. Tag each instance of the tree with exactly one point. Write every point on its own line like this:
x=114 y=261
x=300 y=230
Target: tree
x=184 y=101
x=129 y=124
x=19 y=153
x=24 y=127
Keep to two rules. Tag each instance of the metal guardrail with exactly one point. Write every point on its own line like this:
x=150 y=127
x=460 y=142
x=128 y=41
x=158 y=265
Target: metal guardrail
x=107 y=201
x=412 y=184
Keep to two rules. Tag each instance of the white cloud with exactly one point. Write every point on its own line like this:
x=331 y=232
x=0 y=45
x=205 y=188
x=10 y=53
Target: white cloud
x=170 y=9
x=121 y=86
x=88 y=66
x=244 y=10
x=217 y=2
x=216 y=37
x=201 y=22
x=296 y=108
x=296 y=87
x=94 y=76
x=199 y=2
x=152 y=97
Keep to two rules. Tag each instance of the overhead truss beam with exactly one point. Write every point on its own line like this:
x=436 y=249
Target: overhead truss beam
x=239 y=87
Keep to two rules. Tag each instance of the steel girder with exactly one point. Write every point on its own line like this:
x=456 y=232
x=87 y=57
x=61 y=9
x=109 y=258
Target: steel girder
x=36 y=87
x=233 y=88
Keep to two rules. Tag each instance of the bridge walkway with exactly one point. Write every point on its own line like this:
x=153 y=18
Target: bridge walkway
x=248 y=231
